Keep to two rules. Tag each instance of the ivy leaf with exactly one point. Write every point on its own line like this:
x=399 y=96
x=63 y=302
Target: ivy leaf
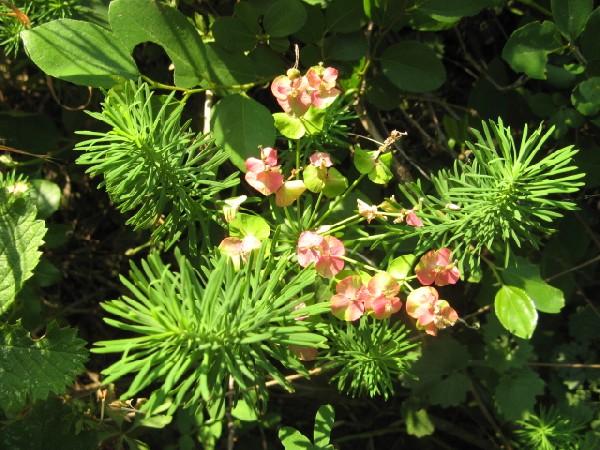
x=138 y=21
x=413 y=67
x=79 y=52
x=516 y=311
x=528 y=48
x=526 y=276
x=240 y=125
x=31 y=369
x=570 y=16
x=516 y=392
x=20 y=237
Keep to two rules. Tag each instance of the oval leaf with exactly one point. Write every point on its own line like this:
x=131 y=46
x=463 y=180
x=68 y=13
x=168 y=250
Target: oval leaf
x=240 y=125
x=516 y=311
x=232 y=34
x=413 y=67
x=46 y=196
x=79 y=52
x=284 y=17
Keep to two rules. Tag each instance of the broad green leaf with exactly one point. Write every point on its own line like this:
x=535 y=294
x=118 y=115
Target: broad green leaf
x=413 y=67
x=384 y=12
x=53 y=424
x=344 y=16
x=20 y=237
x=232 y=34
x=452 y=10
x=138 y=21
x=401 y=266
x=240 y=125
x=364 y=161
x=32 y=369
x=450 y=391
x=589 y=37
x=284 y=17
x=526 y=276
x=516 y=392
x=46 y=273
x=323 y=424
x=290 y=127
x=417 y=421
x=294 y=440
x=46 y=197
x=586 y=96
x=248 y=225
x=314 y=27
x=248 y=15
x=528 y=48
x=382 y=173
x=345 y=47
x=570 y=16
x=314 y=119
x=244 y=410
x=329 y=181
x=227 y=69
x=79 y=52
x=504 y=351
x=516 y=311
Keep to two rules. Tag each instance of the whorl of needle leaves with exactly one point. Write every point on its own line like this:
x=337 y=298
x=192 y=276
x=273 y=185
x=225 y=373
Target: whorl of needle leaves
x=152 y=165
x=369 y=356
x=196 y=328
x=507 y=195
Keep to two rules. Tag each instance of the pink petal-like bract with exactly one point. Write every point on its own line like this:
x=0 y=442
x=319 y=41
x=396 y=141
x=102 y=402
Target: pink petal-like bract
x=348 y=303
x=413 y=220
x=310 y=247
x=289 y=192
x=321 y=159
x=266 y=182
x=269 y=156
x=255 y=165
x=331 y=262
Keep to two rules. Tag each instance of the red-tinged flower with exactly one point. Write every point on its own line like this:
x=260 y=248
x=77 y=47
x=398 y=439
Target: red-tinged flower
x=289 y=192
x=413 y=220
x=331 y=261
x=322 y=82
x=291 y=93
x=263 y=174
x=310 y=247
x=369 y=212
x=301 y=305
x=431 y=313
x=435 y=267
x=381 y=299
x=348 y=303
x=321 y=159
x=239 y=249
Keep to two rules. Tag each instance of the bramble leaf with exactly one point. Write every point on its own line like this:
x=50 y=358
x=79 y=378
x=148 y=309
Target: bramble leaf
x=20 y=237
x=79 y=52
x=31 y=369
x=516 y=392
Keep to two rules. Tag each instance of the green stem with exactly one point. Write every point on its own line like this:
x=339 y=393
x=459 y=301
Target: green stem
x=315 y=208
x=360 y=264
x=352 y=220
x=339 y=199
x=535 y=6
x=492 y=266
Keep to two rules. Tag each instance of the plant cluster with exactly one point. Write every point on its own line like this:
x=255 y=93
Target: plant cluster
x=290 y=233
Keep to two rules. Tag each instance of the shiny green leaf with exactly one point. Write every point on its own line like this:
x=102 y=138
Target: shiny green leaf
x=516 y=311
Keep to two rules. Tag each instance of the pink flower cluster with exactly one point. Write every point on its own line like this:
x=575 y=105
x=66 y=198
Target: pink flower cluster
x=435 y=267
x=431 y=313
x=378 y=297
x=265 y=176
x=371 y=212
x=325 y=251
x=295 y=93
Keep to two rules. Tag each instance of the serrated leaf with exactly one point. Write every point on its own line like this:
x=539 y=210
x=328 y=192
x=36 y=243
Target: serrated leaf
x=20 y=237
x=570 y=16
x=528 y=48
x=516 y=311
x=516 y=392
x=52 y=424
x=450 y=391
x=138 y=21
x=240 y=125
x=526 y=276
x=417 y=422
x=32 y=369
x=79 y=52
x=413 y=67
x=323 y=424
x=284 y=17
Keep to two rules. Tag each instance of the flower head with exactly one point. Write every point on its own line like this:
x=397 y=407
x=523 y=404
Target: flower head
x=435 y=267
x=291 y=92
x=263 y=174
x=322 y=83
x=348 y=303
x=321 y=160
x=239 y=249
x=325 y=251
x=369 y=212
x=381 y=299
x=431 y=313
